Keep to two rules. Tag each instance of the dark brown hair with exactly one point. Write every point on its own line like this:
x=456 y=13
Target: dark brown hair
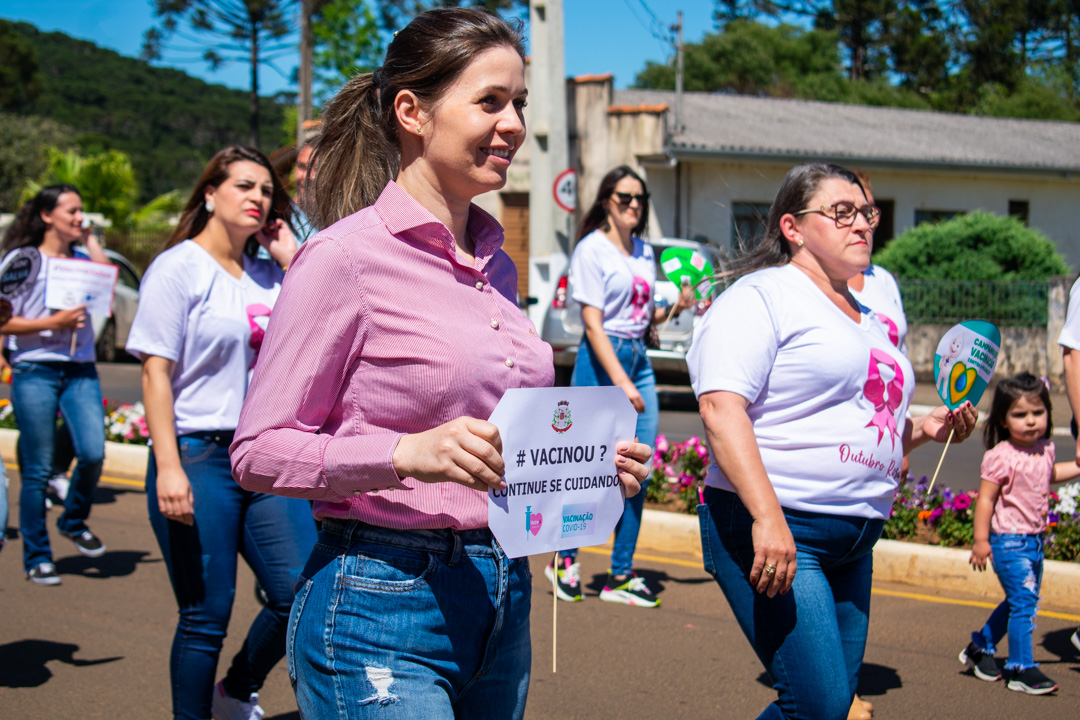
x=28 y=228
x=194 y=216
x=596 y=217
x=796 y=190
x=358 y=149
x=1007 y=392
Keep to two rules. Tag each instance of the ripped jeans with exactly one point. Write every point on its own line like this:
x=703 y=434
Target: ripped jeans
x=396 y=624
x=1018 y=562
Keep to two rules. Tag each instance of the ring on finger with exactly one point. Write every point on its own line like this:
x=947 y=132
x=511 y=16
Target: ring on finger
x=769 y=570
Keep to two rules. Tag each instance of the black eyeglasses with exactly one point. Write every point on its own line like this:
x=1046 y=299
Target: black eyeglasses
x=844 y=213
x=627 y=198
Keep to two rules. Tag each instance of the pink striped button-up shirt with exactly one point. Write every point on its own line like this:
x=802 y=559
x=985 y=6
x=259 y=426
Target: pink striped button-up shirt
x=381 y=330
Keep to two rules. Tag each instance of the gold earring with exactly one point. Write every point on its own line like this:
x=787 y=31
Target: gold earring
x=799 y=242
x=419 y=130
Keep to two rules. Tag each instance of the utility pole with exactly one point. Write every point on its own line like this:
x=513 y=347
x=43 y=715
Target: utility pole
x=549 y=154
x=677 y=29
x=304 y=76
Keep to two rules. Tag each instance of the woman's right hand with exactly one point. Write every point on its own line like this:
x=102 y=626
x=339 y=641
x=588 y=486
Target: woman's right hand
x=466 y=451
x=632 y=393
x=774 y=546
x=69 y=319
x=174 y=496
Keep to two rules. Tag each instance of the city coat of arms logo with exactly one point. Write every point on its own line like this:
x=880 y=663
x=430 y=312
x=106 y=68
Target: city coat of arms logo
x=561 y=422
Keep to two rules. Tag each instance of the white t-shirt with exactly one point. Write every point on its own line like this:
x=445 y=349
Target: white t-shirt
x=193 y=312
x=1070 y=334
x=48 y=345
x=828 y=396
x=881 y=294
x=620 y=286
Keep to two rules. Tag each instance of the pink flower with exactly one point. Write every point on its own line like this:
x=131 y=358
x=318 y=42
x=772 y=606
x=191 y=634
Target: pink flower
x=662 y=445
x=693 y=441
x=686 y=480
x=702 y=451
x=961 y=502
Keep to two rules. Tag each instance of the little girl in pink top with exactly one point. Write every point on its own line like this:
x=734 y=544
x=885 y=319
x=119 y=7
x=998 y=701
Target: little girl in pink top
x=1010 y=525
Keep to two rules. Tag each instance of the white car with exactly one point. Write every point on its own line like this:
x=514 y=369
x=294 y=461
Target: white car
x=111 y=333
x=563 y=328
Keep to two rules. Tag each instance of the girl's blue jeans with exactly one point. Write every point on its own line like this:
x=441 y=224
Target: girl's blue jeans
x=38 y=392
x=1018 y=562
x=404 y=624
x=589 y=373
x=811 y=640
x=274 y=535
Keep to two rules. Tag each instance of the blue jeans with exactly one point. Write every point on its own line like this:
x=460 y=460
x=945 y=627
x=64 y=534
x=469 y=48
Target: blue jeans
x=38 y=392
x=3 y=505
x=1018 y=562
x=403 y=624
x=272 y=533
x=589 y=373
x=812 y=639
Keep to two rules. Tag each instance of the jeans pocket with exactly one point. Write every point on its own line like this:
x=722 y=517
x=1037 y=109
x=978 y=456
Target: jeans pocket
x=706 y=529
x=389 y=572
x=303 y=589
x=193 y=451
x=23 y=367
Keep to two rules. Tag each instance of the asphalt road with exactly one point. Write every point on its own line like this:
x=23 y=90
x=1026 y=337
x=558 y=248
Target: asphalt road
x=97 y=646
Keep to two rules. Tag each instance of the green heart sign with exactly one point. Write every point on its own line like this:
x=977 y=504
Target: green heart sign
x=685 y=266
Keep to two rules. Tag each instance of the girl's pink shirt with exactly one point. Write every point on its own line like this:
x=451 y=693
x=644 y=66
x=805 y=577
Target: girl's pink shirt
x=380 y=331
x=1024 y=476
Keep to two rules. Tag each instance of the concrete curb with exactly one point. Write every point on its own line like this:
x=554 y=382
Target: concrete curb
x=940 y=568
x=668 y=532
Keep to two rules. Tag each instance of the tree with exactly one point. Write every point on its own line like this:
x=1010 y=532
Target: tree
x=20 y=80
x=23 y=143
x=105 y=180
x=347 y=41
x=396 y=14
x=252 y=31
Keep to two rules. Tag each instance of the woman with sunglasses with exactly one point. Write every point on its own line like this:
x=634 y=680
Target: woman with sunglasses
x=804 y=399
x=613 y=271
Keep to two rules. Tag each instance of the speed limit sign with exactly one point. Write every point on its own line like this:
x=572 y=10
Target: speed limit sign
x=565 y=190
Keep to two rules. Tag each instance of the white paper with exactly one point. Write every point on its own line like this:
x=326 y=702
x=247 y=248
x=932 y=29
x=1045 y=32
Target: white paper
x=70 y=283
x=563 y=490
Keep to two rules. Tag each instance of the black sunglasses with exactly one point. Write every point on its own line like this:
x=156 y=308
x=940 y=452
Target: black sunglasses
x=627 y=198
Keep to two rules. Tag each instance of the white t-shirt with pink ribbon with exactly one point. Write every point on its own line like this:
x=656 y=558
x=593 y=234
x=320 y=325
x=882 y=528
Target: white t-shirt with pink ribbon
x=881 y=293
x=622 y=287
x=827 y=396
x=211 y=324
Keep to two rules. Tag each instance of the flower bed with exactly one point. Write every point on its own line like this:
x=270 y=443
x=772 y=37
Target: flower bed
x=124 y=422
x=942 y=517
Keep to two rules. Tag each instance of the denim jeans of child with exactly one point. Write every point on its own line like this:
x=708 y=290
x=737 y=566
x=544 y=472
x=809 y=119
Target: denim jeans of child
x=1018 y=562
x=811 y=640
x=273 y=534
x=404 y=624
x=38 y=392
x=589 y=373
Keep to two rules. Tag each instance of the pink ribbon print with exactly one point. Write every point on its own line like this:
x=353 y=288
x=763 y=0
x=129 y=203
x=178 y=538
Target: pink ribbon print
x=258 y=318
x=640 y=299
x=885 y=405
x=890 y=328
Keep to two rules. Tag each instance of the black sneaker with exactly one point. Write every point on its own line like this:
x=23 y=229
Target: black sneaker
x=630 y=591
x=568 y=585
x=1031 y=681
x=88 y=543
x=43 y=574
x=981 y=662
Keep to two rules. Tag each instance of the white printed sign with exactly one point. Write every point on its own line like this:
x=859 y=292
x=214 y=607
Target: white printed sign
x=70 y=283
x=562 y=490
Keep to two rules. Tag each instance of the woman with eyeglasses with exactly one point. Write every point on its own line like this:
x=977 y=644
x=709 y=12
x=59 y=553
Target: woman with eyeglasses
x=613 y=275
x=804 y=399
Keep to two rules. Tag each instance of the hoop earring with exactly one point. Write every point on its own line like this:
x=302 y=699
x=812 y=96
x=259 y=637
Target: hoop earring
x=209 y=206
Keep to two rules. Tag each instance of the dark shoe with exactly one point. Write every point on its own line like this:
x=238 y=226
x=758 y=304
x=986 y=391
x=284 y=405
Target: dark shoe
x=568 y=584
x=88 y=543
x=1075 y=639
x=982 y=663
x=43 y=574
x=1031 y=681
x=631 y=590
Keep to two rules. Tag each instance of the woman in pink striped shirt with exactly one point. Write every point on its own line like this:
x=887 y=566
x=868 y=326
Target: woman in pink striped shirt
x=395 y=335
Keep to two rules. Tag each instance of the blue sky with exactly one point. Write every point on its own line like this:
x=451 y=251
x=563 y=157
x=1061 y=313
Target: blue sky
x=601 y=35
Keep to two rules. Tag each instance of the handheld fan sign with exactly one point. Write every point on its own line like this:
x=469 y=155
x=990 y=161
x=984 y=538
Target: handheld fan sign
x=686 y=266
x=963 y=365
x=18 y=272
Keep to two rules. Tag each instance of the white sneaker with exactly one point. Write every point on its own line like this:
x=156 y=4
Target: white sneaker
x=60 y=484
x=229 y=708
x=1075 y=639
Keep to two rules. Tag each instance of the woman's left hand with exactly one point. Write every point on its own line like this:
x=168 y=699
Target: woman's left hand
x=278 y=240
x=630 y=459
x=941 y=421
